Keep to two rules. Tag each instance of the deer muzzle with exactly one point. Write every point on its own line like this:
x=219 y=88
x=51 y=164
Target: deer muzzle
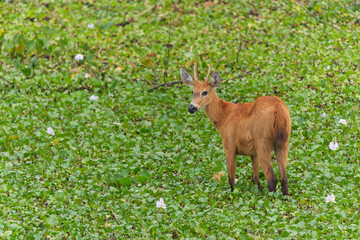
x=191 y=108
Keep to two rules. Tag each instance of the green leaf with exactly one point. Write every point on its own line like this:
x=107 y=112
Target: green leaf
x=147 y=123
x=63 y=154
x=34 y=62
x=85 y=46
x=30 y=45
x=125 y=181
x=90 y=57
x=93 y=214
x=145 y=173
x=136 y=170
x=52 y=220
x=203 y=199
x=16 y=64
x=47 y=30
x=124 y=173
x=355 y=107
x=40 y=44
x=26 y=71
x=107 y=25
x=141 y=179
x=189 y=55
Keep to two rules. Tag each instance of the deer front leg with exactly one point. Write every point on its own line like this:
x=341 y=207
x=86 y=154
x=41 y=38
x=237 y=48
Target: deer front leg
x=231 y=165
x=255 y=167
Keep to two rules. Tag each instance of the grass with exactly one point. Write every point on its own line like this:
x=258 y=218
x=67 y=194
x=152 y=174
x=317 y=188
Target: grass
x=112 y=159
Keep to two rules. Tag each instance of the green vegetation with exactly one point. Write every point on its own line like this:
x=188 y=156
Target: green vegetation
x=110 y=160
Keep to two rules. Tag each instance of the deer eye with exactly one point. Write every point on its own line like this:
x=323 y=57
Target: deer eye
x=204 y=93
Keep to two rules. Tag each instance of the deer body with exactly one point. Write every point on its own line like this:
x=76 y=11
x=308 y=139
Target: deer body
x=252 y=129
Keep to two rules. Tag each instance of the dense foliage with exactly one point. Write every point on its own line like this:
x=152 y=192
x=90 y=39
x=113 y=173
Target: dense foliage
x=88 y=148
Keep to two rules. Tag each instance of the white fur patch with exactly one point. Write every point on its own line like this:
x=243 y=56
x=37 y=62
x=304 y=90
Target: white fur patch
x=194 y=104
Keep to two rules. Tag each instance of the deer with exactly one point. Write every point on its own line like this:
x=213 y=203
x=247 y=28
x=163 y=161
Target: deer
x=250 y=129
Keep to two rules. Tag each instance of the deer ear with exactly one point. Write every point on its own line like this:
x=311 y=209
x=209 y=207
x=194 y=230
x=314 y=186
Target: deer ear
x=186 y=77
x=215 y=79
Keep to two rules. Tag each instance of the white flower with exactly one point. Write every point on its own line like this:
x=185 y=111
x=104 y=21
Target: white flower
x=161 y=204
x=50 y=131
x=235 y=180
x=79 y=57
x=343 y=121
x=91 y=26
x=328 y=67
x=333 y=145
x=324 y=115
x=93 y=97
x=330 y=198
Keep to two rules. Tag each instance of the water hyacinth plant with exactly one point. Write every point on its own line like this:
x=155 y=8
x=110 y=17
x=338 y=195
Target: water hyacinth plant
x=330 y=198
x=79 y=57
x=161 y=204
x=333 y=145
x=50 y=131
x=343 y=121
x=94 y=98
x=124 y=138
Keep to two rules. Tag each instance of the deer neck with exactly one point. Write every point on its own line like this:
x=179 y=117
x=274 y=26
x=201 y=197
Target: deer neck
x=215 y=110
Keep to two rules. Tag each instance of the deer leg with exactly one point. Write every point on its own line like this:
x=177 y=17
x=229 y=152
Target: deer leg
x=255 y=167
x=264 y=156
x=281 y=153
x=231 y=166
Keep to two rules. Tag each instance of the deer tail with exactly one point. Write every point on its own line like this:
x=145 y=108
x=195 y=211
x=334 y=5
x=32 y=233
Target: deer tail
x=282 y=126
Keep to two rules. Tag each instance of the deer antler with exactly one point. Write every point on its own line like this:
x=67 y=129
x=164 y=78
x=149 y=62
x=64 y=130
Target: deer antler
x=208 y=74
x=195 y=71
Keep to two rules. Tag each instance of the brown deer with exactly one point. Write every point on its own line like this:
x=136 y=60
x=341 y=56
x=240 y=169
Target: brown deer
x=252 y=129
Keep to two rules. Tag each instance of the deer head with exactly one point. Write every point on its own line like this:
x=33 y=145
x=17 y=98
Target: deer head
x=203 y=92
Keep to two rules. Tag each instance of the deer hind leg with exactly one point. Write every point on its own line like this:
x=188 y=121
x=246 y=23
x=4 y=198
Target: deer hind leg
x=281 y=153
x=264 y=156
x=255 y=167
x=231 y=165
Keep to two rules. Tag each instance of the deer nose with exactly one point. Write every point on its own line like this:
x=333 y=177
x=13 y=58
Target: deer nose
x=191 y=108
